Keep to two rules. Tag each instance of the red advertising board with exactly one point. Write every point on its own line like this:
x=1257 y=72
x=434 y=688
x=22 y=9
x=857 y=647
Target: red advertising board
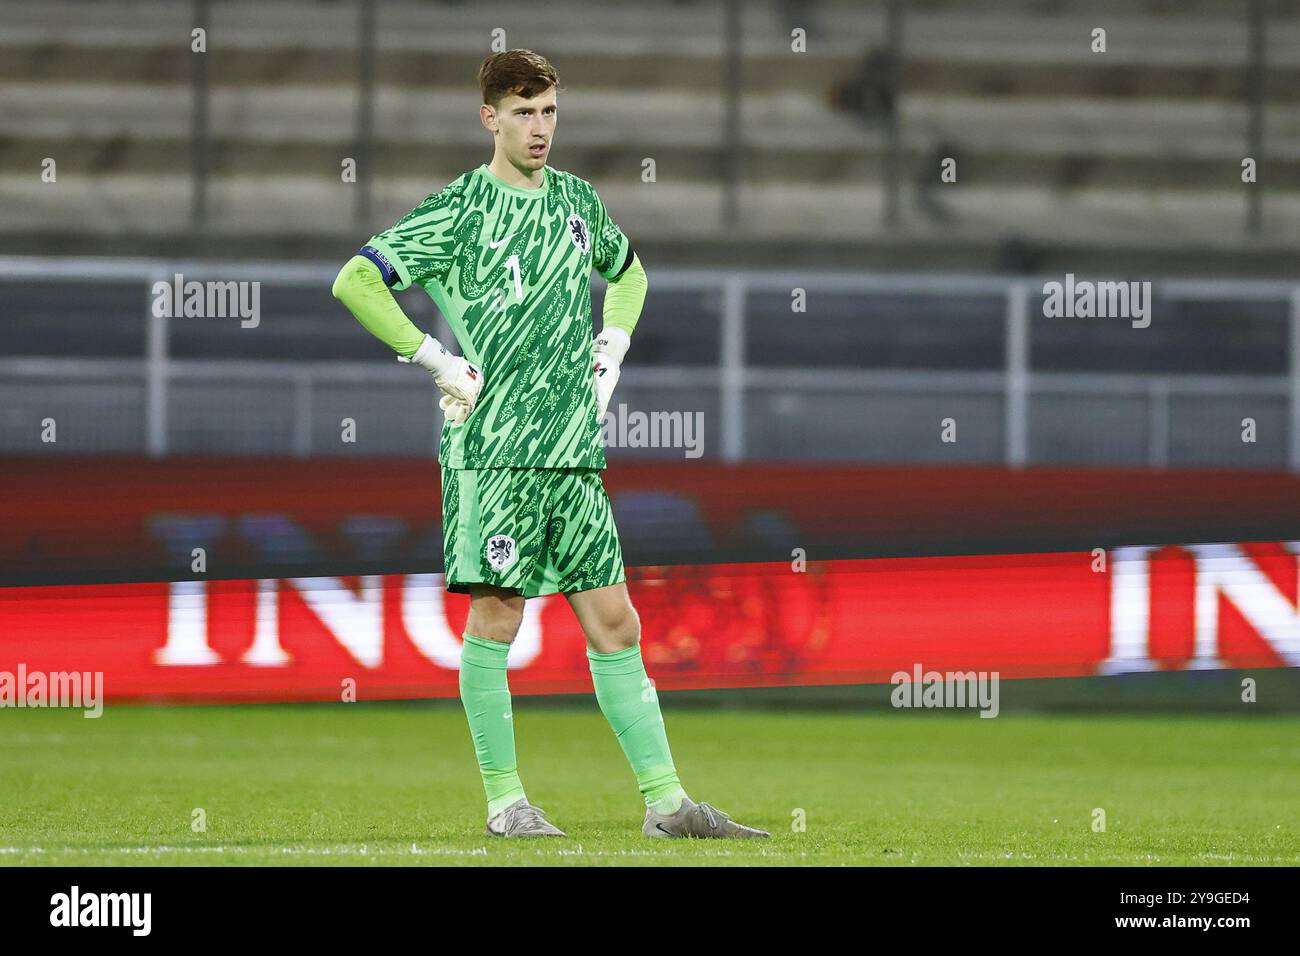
x=395 y=636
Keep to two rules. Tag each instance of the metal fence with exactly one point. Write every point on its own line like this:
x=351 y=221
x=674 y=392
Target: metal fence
x=1002 y=408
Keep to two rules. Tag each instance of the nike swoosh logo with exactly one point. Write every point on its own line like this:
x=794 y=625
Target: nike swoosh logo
x=500 y=242
x=660 y=828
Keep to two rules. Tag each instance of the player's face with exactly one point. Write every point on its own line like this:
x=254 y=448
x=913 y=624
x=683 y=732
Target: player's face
x=525 y=129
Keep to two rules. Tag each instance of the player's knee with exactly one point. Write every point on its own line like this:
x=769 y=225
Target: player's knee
x=498 y=624
x=495 y=617
x=623 y=627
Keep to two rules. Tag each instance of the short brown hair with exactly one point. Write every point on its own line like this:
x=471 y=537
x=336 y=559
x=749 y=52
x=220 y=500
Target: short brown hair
x=515 y=72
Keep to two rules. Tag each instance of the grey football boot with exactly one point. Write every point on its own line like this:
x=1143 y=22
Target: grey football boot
x=522 y=819
x=698 y=820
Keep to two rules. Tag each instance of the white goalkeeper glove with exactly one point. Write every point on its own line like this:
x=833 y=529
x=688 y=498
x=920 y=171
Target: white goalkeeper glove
x=457 y=378
x=455 y=410
x=607 y=360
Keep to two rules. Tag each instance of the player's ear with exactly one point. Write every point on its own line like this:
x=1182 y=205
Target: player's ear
x=488 y=115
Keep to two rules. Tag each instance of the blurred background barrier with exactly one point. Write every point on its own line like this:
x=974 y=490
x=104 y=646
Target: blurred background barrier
x=767 y=366
x=709 y=626
x=76 y=519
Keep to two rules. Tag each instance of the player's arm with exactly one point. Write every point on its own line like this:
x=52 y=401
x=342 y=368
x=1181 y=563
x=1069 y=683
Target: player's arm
x=625 y=296
x=623 y=302
x=614 y=259
x=361 y=286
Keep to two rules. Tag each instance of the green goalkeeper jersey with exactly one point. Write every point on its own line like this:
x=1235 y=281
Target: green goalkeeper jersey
x=510 y=269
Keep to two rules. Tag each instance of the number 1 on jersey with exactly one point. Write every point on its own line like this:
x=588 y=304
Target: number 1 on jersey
x=513 y=263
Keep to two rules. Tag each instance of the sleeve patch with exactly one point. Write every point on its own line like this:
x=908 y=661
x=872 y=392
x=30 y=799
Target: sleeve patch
x=378 y=258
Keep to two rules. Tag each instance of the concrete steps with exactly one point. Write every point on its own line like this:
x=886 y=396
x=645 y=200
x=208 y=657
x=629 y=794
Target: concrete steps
x=1056 y=145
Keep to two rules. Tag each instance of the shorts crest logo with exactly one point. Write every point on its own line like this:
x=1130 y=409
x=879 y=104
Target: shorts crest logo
x=578 y=232
x=501 y=551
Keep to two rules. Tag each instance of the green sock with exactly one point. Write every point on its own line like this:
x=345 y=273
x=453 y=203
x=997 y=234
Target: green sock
x=485 y=693
x=630 y=704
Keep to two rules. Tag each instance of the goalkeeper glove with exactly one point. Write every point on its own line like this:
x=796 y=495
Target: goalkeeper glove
x=607 y=359
x=455 y=410
x=458 y=378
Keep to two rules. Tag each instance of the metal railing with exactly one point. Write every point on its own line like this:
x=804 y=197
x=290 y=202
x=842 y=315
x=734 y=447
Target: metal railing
x=736 y=384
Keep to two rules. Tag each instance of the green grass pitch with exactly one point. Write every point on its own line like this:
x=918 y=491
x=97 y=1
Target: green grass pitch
x=382 y=784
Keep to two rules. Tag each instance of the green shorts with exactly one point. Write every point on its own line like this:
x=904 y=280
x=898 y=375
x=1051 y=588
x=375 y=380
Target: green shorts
x=536 y=530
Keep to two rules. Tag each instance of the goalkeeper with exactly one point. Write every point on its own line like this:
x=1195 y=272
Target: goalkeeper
x=506 y=251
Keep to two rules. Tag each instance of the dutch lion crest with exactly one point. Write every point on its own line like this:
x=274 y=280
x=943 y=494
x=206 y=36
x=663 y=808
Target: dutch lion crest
x=501 y=551
x=578 y=232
